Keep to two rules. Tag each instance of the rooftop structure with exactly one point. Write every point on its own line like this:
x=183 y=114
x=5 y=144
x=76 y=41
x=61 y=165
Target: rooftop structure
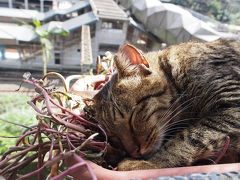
x=95 y=26
x=171 y=23
x=106 y=29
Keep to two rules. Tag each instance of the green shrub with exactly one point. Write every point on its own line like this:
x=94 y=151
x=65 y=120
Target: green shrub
x=14 y=108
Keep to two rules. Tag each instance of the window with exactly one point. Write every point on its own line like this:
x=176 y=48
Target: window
x=108 y=47
x=110 y=24
x=57 y=58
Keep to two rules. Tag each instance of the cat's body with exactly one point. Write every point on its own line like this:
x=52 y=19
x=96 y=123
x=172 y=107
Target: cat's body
x=188 y=94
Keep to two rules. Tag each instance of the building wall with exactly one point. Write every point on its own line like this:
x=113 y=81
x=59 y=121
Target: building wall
x=71 y=55
x=111 y=37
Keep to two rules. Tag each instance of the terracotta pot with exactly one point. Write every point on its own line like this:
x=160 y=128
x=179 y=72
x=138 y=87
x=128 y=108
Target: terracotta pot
x=105 y=174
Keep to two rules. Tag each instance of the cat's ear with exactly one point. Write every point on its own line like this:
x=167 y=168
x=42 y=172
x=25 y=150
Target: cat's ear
x=129 y=60
x=134 y=55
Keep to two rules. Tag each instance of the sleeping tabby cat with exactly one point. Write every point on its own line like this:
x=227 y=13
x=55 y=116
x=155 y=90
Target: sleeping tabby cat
x=173 y=107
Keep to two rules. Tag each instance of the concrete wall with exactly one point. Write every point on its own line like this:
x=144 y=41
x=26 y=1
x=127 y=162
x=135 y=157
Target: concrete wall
x=108 y=36
x=71 y=55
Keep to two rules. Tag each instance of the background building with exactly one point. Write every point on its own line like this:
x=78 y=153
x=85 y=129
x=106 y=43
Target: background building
x=95 y=26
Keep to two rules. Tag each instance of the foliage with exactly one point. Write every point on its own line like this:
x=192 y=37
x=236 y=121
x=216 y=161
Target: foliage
x=226 y=11
x=63 y=130
x=44 y=35
x=15 y=109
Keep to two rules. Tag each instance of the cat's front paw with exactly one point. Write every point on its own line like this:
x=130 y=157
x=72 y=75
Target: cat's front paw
x=132 y=164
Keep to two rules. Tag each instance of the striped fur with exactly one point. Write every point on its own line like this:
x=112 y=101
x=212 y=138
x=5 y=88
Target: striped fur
x=177 y=111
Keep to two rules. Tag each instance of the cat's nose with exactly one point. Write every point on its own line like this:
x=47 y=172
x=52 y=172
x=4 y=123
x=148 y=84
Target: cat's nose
x=144 y=152
x=136 y=153
x=139 y=153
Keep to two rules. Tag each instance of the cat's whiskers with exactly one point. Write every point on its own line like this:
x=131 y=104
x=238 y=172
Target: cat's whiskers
x=164 y=118
x=169 y=127
x=174 y=130
x=163 y=128
x=172 y=126
x=170 y=112
x=180 y=122
x=184 y=123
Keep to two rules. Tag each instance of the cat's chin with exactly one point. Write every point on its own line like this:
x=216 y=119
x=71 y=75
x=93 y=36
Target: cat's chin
x=146 y=153
x=153 y=148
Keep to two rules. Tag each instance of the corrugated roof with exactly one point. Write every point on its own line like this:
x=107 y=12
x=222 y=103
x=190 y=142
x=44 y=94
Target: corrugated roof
x=23 y=33
x=102 y=8
x=27 y=14
x=108 y=9
x=13 y=31
x=170 y=23
x=78 y=21
x=78 y=6
x=18 y=14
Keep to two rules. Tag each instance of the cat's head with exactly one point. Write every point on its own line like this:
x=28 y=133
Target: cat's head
x=134 y=106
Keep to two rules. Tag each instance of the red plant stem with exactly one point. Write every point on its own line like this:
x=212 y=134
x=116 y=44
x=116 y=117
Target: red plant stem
x=224 y=150
x=24 y=135
x=51 y=150
x=37 y=97
x=11 y=165
x=47 y=101
x=71 y=146
x=68 y=171
x=35 y=131
x=53 y=92
x=72 y=113
x=33 y=172
x=63 y=134
x=56 y=159
x=106 y=137
x=69 y=125
x=52 y=131
x=102 y=144
x=18 y=124
x=34 y=139
x=40 y=155
x=35 y=107
x=23 y=163
x=12 y=149
x=42 y=148
x=74 y=137
x=44 y=124
x=62 y=115
x=25 y=151
x=10 y=177
x=44 y=93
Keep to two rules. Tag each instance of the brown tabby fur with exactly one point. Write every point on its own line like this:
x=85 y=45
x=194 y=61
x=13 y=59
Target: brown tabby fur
x=176 y=111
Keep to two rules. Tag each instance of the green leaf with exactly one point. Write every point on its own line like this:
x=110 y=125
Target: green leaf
x=37 y=23
x=46 y=43
x=59 y=31
x=64 y=33
x=47 y=48
x=21 y=23
x=41 y=32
